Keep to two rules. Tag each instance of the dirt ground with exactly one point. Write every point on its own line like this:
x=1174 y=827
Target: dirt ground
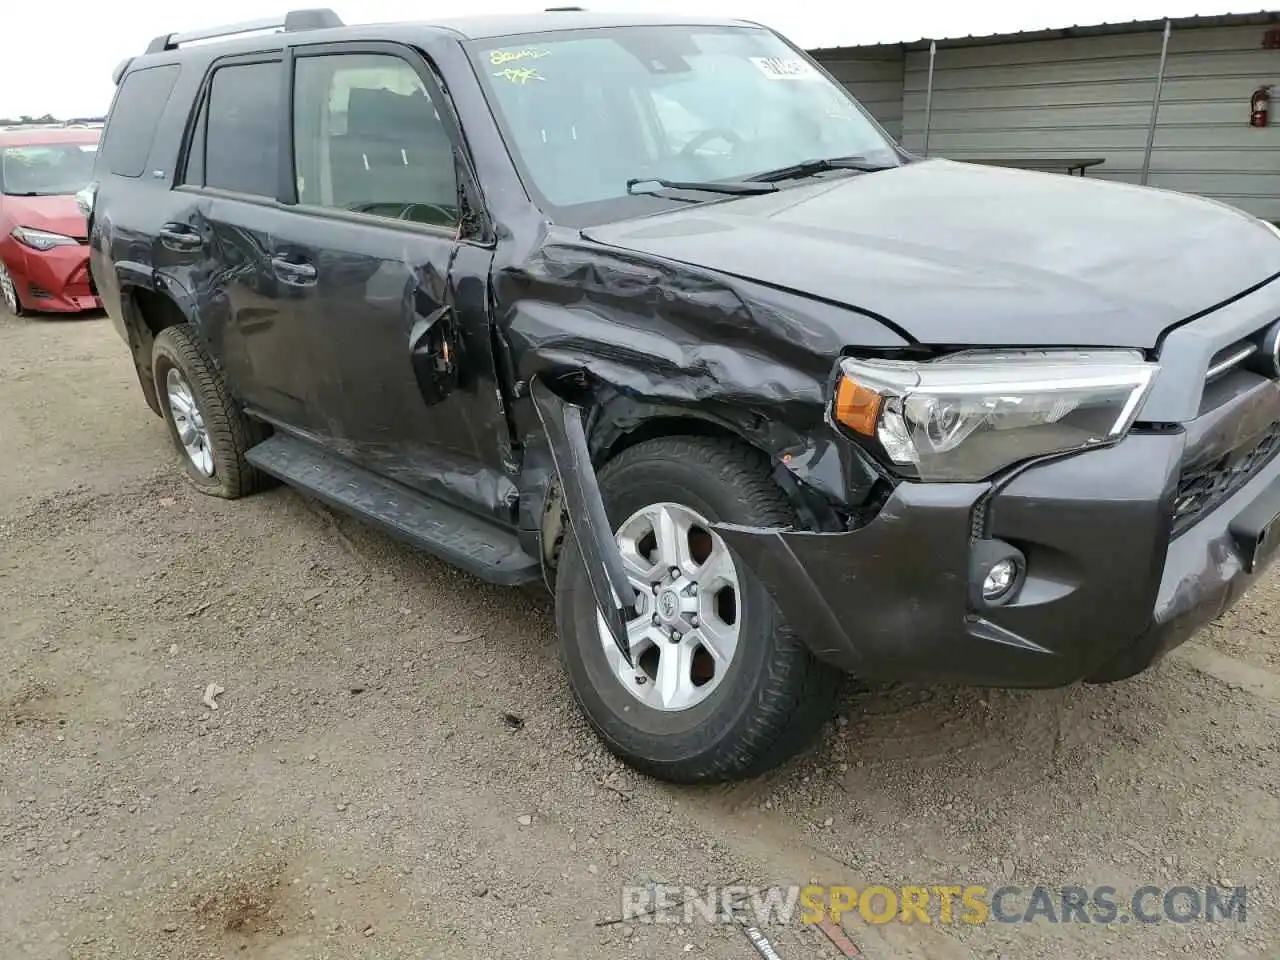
x=359 y=793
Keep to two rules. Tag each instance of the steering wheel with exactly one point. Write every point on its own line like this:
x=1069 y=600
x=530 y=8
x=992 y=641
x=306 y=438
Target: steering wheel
x=445 y=216
x=398 y=210
x=706 y=136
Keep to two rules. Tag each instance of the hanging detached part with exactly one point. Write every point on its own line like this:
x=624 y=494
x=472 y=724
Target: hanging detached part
x=588 y=522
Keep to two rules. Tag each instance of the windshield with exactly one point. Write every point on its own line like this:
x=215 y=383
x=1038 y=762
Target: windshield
x=46 y=170
x=584 y=112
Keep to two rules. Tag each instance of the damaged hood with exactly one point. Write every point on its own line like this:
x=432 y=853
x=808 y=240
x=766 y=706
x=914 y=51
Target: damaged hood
x=959 y=254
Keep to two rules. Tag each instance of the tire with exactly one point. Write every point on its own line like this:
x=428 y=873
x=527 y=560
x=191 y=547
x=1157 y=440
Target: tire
x=228 y=433
x=773 y=697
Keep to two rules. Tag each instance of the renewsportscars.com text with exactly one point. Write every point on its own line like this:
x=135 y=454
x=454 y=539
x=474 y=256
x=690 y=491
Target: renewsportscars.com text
x=936 y=903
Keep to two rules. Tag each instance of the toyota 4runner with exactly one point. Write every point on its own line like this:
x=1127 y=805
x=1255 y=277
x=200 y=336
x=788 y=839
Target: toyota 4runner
x=651 y=310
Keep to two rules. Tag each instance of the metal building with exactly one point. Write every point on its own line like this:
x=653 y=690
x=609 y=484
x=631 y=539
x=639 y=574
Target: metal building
x=1113 y=97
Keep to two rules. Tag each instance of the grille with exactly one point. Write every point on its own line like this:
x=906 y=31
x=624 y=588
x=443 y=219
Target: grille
x=38 y=292
x=1228 y=358
x=1204 y=486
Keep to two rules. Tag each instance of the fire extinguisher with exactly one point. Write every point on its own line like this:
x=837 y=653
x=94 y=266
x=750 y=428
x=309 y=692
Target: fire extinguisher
x=1260 y=107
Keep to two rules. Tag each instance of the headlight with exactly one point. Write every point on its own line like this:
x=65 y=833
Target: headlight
x=972 y=414
x=41 y=239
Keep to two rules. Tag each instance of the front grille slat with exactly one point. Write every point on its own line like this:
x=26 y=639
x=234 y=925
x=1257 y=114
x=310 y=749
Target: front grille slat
x=1229 y=359
x=1202 y=487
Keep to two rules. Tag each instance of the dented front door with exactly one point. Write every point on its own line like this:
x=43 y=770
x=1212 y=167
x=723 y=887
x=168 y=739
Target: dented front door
x=382 y=309
x=375 y=266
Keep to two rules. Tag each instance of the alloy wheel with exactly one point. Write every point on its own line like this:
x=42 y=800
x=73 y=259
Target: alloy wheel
x=685 y=633
x=8 y=291
x=189 y=421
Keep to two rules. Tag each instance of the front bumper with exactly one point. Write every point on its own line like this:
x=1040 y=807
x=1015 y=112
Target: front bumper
x=1112 y=581
x=54 y=281
x=1106 y=592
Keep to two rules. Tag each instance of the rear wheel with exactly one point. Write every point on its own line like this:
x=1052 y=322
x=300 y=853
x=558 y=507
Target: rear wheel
x=9 y=292
x=208 y=428
x=720 y=688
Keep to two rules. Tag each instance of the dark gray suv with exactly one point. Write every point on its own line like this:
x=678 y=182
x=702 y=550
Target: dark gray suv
x=651 y=310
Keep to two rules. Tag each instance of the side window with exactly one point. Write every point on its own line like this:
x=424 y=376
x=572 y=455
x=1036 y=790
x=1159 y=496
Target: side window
x=240 y=123
x=126 y=142
x=368 y=139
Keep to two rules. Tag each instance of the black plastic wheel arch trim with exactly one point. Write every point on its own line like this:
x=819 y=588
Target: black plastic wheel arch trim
x=567 y=439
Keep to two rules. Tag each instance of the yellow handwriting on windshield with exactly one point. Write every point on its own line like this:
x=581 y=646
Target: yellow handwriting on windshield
x=499 y=57
x=520 y=74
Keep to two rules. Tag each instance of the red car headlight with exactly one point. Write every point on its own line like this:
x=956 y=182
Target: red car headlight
x=41 y=239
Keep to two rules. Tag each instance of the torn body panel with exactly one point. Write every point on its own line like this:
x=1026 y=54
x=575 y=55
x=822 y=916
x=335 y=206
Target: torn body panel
x=584 y=506
x=642 y=341
x=609 y=346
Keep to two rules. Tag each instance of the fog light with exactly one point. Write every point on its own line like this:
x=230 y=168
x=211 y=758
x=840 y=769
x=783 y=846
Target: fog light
x=1000 y=579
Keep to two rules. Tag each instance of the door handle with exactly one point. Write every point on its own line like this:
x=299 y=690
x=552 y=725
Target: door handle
x=289 y=271
x=179 y=236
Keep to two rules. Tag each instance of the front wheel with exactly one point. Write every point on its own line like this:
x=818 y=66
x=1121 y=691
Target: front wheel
x=9 y=292
x=719 y=688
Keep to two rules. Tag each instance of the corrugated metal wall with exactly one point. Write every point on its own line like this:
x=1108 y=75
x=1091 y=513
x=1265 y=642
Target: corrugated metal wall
x=874 y=75
x=1091 y=97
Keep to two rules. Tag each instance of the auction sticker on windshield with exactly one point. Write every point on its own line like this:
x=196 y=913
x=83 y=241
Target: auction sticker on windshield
x=785 y=68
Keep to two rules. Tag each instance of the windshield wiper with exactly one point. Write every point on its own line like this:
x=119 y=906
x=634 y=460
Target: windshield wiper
x=732 y=187
x=807 y=168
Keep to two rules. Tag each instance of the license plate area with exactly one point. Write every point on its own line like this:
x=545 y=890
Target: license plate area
x=1256 y=530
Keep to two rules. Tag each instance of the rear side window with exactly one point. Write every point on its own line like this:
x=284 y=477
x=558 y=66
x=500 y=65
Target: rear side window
x=237 y=137
x=126 y=142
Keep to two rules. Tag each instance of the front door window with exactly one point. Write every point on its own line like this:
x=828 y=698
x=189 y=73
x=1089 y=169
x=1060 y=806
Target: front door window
x=368 y=139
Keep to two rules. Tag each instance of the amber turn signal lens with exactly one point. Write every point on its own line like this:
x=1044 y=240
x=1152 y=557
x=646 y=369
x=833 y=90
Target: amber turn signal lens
x=857 y=407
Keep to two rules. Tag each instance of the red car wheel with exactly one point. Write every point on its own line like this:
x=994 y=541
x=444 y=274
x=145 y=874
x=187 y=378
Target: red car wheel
x=9 y=292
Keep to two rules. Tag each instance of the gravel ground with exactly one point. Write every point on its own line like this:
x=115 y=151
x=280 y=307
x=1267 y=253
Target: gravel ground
x=359 y=793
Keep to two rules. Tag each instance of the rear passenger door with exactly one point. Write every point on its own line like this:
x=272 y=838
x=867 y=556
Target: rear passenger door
x=378 y=262
x=234 y=167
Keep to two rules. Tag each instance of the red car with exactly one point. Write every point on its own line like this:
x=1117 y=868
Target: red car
x=44 y=252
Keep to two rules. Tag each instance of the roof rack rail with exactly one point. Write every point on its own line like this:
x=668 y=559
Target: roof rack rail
x=295 y=21
x=565 y=10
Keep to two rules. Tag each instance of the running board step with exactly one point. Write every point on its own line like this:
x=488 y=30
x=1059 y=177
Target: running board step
x=453 y=535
